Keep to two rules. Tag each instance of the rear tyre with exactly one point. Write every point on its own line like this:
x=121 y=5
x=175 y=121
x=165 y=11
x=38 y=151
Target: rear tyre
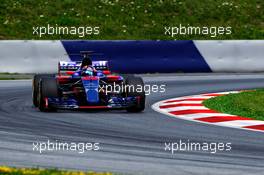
x=141 y=97
x=48 y=88
x=35 y=87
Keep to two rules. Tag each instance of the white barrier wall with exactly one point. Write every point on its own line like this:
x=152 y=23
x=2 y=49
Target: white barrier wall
x=31 y=56
x=233 y=56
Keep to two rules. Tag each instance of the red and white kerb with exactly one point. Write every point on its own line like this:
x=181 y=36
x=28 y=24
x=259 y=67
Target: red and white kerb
x=191 y=108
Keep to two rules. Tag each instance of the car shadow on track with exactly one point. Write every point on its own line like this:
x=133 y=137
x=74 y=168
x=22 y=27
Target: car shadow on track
x=89 y=111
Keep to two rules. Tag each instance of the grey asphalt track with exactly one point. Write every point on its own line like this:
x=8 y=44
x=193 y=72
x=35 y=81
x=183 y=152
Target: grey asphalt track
x=129 y=143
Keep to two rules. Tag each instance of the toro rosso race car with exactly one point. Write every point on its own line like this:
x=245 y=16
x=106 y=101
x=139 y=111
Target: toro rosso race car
x=87 y=85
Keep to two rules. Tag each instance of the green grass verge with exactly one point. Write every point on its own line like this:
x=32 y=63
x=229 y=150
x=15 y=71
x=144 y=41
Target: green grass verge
x=26 y=171
x=247 y=104
x=15 y=76
x=126 y=19
x=11 y=78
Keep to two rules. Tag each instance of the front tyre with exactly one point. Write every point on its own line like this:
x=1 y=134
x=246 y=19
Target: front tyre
x=48 y=88
x=139 y=106
x=35 y=87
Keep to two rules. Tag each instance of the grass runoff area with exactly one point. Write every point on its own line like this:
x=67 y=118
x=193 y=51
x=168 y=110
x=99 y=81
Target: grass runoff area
x=247 y=104
x=136 y=19
x=15 y=76
x=24 y=171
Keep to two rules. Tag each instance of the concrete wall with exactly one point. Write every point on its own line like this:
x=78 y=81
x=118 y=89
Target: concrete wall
x=136 y=56
x=31 y=56
x=233 y=56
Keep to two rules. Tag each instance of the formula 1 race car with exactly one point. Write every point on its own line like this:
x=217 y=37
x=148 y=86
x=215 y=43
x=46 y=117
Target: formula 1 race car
x=75 y=87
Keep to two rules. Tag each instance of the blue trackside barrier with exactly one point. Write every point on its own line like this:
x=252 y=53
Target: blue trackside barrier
x=136 y=56
x=142 y=56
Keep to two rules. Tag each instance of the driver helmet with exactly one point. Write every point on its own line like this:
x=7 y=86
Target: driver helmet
x=86 y=62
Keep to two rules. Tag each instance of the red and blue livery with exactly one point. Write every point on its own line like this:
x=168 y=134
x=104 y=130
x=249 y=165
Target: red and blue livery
x=87 y=87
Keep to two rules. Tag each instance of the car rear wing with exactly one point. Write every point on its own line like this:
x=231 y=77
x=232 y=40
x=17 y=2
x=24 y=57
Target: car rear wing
x=66 y=66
